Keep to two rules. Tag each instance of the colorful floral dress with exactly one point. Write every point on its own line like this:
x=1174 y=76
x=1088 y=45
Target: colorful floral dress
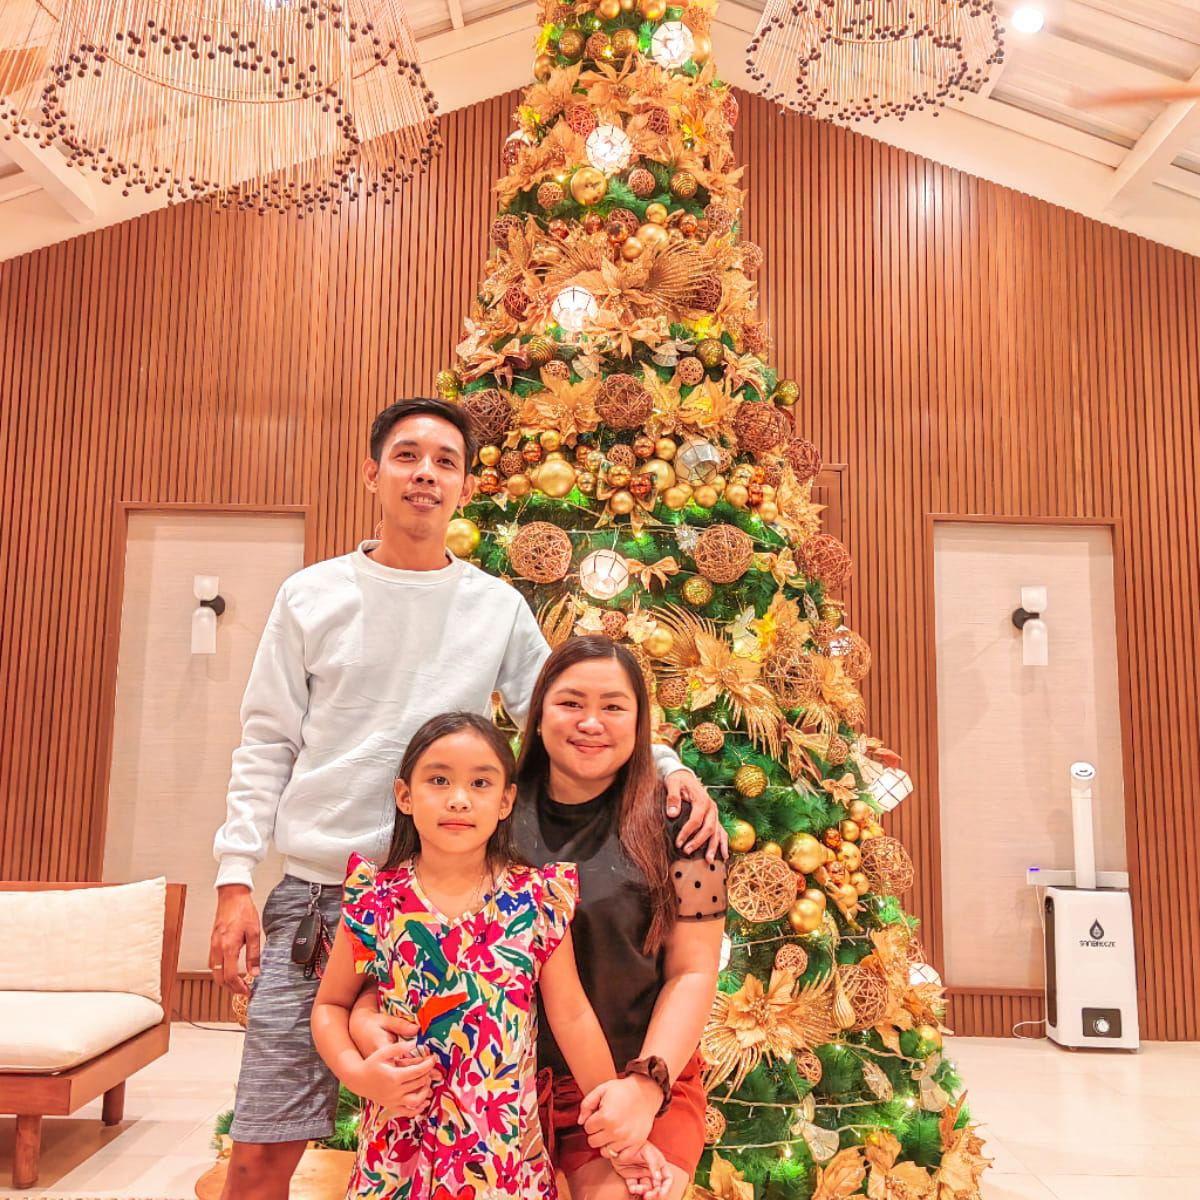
x=469 y=986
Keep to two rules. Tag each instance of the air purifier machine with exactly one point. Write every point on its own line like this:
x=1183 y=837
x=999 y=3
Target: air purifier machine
x=1091 y=973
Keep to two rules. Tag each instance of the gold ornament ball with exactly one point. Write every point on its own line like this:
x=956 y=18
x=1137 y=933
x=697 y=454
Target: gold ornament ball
x=585 y=481
x=556 y=478
x=768 y=512
x=624 y=43
x=653 y=10
x=619 y=475
x=702 y=48
x=489 y=456
x=555 y=455
x=570 y=44
x=519 y=485
x=850 y=831
x=683 y=184
x=738 y=495
x=742 y=837
x=608 y=10
x=851 y=855
x=656 y=213
x=847 y=895
x=929 y=1035
x=659 y=643
x=774 y=849
x=831 y=612
x=675 y=498
x=710 y=352
x=664 y=474
x=632 y=248
x=665 y=448
x=643 y=446
x=698 y=591
x=816 y=895
x=621 y=503
x=803 y=852
x=859 y=811
x=462 y=537
x=706 y=496
x=543 y=65
x=627 y=6
x=750 y=781
x=860 y=883
x=652 y=236
x=550 y=440
x=448 y=384
x=805 y=917
x=588 y=186
x=787 y=392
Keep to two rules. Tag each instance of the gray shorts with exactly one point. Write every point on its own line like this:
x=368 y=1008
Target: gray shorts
x=285 y=1092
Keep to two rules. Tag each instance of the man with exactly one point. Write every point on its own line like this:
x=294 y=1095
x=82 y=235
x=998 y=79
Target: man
x=357 y=653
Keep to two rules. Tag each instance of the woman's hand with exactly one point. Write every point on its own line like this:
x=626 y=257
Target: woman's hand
x=703 y=824
x=395 y=1080
x=618 y=1114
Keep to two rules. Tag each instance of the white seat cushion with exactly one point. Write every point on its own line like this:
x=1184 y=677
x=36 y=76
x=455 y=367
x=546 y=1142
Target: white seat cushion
x=51 y=1031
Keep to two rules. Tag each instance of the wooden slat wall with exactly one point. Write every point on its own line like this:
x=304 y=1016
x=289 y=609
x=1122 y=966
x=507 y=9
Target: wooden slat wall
x=963 y=348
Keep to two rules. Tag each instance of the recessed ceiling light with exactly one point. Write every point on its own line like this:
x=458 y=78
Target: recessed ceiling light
x=1028 y=18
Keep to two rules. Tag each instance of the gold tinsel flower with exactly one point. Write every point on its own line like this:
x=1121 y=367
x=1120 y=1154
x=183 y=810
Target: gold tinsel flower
x=569 y=408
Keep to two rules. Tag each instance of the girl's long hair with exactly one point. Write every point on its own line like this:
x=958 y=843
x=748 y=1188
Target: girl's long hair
x=640 y=807
x=406 y=842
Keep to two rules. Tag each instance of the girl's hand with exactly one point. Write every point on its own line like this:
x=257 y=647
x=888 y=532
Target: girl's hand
x=617 y=1115
x=645 y=1172
x=396 y=1080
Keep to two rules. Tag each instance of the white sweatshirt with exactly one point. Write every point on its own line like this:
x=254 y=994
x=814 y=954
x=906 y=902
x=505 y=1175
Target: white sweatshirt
x=355 y=657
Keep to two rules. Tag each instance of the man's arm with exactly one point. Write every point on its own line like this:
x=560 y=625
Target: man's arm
x=273 y=709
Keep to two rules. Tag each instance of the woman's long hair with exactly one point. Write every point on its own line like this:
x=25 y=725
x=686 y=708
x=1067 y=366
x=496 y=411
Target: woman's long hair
x=406 y=841
x=640 y=808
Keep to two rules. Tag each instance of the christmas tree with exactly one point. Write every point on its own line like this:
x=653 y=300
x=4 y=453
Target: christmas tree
x=641 y=477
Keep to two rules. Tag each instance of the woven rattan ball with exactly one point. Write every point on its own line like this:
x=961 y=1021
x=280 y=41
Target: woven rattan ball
x=642 y=183
x=516 y=302
x=791 y=958
x=729 y=108
x=808 y=1066
x=720 y=219
x=541 y=552
x=672 y=693
x=708 y=738
x=760 y=427
x=658 y=121
x=512 y=462
x=622 y=455
x=854 y=713
x=804 y=458
x=557 y=369
x=867 y=991
x=597 y=44
x=502 y=227
x=707 y=295
x=510 y=152
x=613 y=624
x=581 y=118
x=550 y=194
x=823 y=557
x=714 y=1125
x=627 y=218
x=855 y=655
x=490 y=414
x=724 y=460
x=837 y=751
x=887 y=865
x=623 y=402
x=752 y=257
x=754 y=337
x=761 y=887
x=791 y=674
x=723 y=553
x=690 y=371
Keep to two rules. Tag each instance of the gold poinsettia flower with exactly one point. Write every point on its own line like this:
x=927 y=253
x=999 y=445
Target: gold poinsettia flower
x=799 y=518
x=889 y=1181
x=725 y=1182
x=721 y=672
x=550 y=98
x=708 y=408
x=835 y=688
x=751 y=1024
x=569 y=408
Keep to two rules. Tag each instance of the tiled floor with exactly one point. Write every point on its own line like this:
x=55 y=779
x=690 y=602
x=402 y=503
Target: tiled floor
x=1059 y=1126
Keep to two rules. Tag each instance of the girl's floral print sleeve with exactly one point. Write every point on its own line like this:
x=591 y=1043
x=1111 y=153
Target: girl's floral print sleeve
x=556 y=888
x=365 y=913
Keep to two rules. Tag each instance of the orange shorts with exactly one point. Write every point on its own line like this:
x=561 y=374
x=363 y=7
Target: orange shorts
x=678 y=1133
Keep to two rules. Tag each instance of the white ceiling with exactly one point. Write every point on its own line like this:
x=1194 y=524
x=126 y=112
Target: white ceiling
x=1136 y=165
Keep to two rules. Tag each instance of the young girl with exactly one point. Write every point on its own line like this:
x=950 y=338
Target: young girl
x=457 y=933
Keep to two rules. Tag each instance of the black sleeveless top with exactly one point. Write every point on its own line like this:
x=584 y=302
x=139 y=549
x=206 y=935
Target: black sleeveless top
x=613 y=917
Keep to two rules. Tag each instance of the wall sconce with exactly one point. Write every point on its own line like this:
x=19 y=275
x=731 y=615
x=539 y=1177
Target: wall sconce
x=204 y=617
x=1035 y=647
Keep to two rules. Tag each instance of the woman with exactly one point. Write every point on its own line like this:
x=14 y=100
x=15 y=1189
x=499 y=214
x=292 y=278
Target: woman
x=647 y=930
x=648 y=927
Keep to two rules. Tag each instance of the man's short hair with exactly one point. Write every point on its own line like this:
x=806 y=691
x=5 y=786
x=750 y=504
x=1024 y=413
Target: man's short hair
x=417 y=406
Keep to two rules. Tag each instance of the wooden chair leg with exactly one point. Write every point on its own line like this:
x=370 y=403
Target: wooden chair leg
x=114 y=1104
x=27 y=1151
